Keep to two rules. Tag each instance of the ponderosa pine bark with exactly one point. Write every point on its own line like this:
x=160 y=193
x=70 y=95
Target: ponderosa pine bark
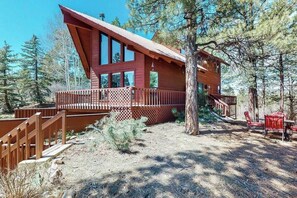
x=191 y=106
x=281 y=79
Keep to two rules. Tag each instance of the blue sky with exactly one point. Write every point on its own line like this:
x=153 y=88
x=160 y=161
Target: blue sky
x=20 y=19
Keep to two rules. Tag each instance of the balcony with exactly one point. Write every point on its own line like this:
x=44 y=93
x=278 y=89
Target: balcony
x=126 y=97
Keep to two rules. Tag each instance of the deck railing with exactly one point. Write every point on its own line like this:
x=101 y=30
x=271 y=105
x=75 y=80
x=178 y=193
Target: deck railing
x=107 y=98
x=224 y=104
x=230 y=100
x=30 y=138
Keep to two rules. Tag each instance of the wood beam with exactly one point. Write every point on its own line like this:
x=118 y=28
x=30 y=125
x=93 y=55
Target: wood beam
x=80 y=50
x=69 y=20
x=167 y=59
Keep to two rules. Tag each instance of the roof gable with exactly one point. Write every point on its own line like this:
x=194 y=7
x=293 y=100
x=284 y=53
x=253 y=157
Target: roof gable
x=133 y=41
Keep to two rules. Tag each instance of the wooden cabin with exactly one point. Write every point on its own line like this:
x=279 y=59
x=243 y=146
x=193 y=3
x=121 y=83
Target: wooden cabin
x=135 y=76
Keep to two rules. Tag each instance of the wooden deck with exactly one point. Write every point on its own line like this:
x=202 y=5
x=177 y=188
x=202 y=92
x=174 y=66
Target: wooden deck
x=132 y=102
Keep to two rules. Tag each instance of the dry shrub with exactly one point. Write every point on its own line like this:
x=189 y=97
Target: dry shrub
x=22 y=182
x=119 y=134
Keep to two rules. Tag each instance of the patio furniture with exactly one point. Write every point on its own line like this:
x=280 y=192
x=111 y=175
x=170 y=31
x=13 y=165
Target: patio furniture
x=275 y=123
x=251 y=124
x=293 y=128
x=279 y=114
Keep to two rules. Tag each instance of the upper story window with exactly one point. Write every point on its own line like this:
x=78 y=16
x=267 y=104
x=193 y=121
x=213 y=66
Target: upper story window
x=115 y=51
x=103 y=49
x=128 y=55
x=217 y=67
x=129 y=78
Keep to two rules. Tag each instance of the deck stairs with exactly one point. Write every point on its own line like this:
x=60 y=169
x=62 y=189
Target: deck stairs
x=226 y=108
x=31 y=139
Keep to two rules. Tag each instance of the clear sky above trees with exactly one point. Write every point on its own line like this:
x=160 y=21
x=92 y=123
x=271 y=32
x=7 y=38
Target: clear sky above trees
x=19 y=20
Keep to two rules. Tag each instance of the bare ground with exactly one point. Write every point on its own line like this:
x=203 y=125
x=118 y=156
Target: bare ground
x=224 y=161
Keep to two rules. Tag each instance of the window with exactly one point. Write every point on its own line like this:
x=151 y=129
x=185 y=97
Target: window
x=217 y=68
x=104 y=80
x=128 y=54
x=116 y=80
x=154 y=79
x=103 y=49
x=129 y=78
x=200 y=88
x=116 y=51
x=182 y=51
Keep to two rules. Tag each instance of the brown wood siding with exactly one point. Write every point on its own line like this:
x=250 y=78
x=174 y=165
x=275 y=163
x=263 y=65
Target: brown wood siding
x=137 y=65
x=210 y=77
x=85 y=38
x=171 y=76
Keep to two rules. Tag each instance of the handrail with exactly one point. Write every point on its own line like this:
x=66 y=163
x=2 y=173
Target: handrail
x=32 y=127
x=21 y=127
x=107 y=98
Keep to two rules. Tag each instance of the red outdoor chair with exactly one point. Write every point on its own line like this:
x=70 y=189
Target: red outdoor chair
x=275 y=123
x=293 y=128
x=251 y=124
x=279 y=114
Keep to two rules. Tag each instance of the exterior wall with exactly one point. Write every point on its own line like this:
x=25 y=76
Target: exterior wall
x=210 y=77
x=171 y=76
x=137 y=66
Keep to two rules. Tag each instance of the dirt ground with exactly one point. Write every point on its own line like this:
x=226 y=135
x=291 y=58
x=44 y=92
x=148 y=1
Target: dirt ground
x=224 y=161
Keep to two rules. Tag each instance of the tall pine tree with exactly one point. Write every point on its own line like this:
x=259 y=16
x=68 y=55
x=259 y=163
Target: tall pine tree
x=35 y=80
x=7 y=80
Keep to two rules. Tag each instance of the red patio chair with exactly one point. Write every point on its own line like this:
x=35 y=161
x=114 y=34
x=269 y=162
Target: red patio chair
x=293 y=128
x=275 y=123
x=251 y=124
x=279 y=114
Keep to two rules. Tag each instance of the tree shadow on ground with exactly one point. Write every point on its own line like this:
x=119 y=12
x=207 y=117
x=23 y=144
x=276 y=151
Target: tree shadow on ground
x=245 y=171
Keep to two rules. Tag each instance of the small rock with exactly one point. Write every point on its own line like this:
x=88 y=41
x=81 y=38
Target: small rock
x=69 y=194
x=55 y=173
x=58 y=161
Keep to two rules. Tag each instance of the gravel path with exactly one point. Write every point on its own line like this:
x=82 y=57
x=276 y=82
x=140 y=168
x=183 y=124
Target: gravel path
x=224 y=161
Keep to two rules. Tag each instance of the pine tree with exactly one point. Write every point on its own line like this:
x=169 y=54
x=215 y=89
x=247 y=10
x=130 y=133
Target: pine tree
x=179 y=24
x=250 y=27
x=7 y=79
x=35 y=80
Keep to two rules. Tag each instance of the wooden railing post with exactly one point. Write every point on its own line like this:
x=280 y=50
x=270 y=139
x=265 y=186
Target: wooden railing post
x=18 y=145
x=1 y=161
x=8 y=152
x=64 y=125
x=38 y=140
x=27 y=142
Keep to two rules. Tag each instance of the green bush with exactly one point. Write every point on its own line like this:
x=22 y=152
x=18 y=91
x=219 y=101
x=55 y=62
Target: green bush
x=205 y=115
x=120 y=134
x=179 y=115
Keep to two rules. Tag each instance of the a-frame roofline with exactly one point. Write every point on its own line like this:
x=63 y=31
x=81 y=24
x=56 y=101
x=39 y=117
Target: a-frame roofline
x=76 y=20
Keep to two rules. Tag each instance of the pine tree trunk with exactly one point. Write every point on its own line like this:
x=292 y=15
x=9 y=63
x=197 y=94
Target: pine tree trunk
x=251 y=102
x=253 y=94
x=291 y=100
x=191 y=108
x=38 y=94
x=6 y=99
x=281 y=79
